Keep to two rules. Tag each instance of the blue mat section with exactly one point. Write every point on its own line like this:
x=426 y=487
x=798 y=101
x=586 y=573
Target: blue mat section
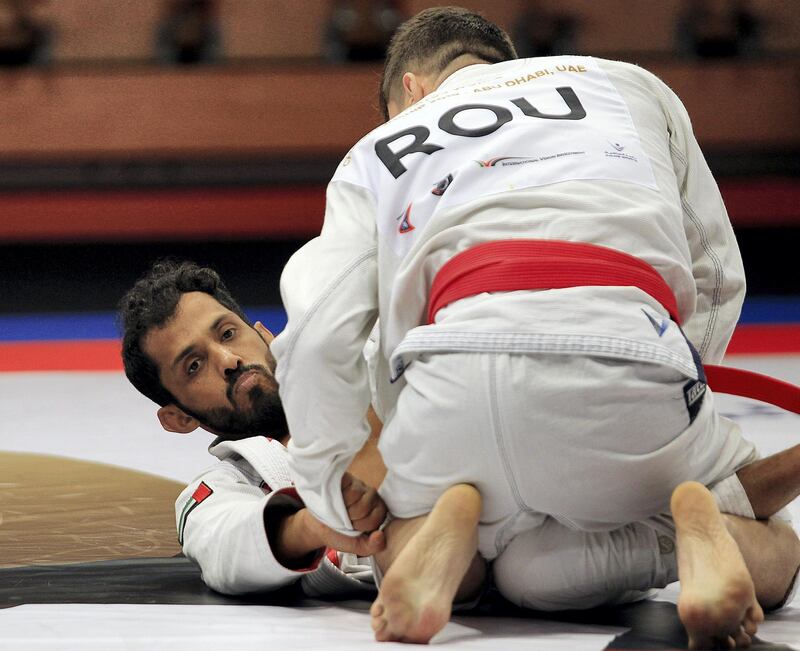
x=102 y=325
x=771 y=309
x=98 y=325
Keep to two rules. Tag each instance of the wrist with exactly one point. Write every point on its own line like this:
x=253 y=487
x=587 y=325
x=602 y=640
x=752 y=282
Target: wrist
x=294 y=542
x=306 y=536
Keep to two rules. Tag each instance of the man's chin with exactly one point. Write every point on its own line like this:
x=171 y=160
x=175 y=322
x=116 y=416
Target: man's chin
x=257 y=413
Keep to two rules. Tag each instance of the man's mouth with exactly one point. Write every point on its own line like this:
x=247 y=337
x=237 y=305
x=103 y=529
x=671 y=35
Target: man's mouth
x=246 y=381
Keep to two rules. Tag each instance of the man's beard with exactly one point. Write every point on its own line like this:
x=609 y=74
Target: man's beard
x=264 y=417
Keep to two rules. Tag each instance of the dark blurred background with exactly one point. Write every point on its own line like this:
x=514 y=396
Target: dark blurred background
x=207 y=129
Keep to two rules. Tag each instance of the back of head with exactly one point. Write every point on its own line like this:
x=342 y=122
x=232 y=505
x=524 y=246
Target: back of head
x=431 y=40
x=151 y=303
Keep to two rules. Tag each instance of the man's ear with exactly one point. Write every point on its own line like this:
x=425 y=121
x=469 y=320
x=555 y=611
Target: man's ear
x=413 y=88
x=174 y=419
x=268 y=336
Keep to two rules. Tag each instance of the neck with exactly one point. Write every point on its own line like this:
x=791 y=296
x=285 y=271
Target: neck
x=456 y=64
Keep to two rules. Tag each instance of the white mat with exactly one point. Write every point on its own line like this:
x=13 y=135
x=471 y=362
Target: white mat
x=95 y=417
x=83 y=627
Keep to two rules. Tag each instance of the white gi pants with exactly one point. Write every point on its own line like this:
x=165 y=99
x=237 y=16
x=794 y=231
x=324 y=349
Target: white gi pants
x=567 y=452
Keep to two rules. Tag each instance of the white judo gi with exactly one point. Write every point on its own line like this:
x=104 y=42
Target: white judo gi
x=566 y=408
x=221 y=520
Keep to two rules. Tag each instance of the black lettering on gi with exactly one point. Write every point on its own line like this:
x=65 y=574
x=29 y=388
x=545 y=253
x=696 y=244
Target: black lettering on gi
x=447 y=121
x=576 y=110
x=392 y=159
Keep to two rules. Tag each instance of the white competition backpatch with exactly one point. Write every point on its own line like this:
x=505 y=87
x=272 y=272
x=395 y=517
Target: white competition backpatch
x=526 y=127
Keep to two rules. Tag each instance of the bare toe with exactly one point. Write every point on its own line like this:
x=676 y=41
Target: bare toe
x=742 y=639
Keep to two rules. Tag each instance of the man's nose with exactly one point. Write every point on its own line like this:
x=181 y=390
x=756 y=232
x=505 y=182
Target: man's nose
x=228 y=360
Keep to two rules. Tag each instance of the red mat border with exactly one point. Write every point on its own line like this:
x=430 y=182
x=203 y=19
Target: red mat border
x=756 y=339
x=104 y=355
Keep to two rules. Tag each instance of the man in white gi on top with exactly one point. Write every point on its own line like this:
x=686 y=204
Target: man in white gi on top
x=530 y=232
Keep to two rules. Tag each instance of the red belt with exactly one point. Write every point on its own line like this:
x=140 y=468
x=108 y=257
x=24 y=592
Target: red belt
x=509 y=265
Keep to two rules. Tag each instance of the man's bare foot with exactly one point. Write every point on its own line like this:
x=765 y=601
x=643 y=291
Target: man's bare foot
x=717 y=603
x=417 y=593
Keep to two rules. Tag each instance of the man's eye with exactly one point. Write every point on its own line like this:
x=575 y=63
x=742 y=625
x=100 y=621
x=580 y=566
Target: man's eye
x=227 y=334
x=193 y=367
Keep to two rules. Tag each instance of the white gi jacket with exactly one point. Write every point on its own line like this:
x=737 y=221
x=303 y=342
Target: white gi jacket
x=560 y=148
x=220 y=518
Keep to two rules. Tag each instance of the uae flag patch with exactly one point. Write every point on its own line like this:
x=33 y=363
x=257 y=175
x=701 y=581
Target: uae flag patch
x=201 y=493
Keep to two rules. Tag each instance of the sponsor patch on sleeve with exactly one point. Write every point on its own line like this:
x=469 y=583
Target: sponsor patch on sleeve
x=202 y=492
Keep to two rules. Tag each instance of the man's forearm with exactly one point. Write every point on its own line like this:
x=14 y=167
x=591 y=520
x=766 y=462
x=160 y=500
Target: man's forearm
x=772 y=483
x=294 y=544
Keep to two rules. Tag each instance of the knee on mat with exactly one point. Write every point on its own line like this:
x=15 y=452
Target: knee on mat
x=548 y=582
x=554 y=568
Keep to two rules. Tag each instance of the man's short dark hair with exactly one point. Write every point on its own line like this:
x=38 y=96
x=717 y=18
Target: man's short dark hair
x=151 y=303
x=435 y=37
